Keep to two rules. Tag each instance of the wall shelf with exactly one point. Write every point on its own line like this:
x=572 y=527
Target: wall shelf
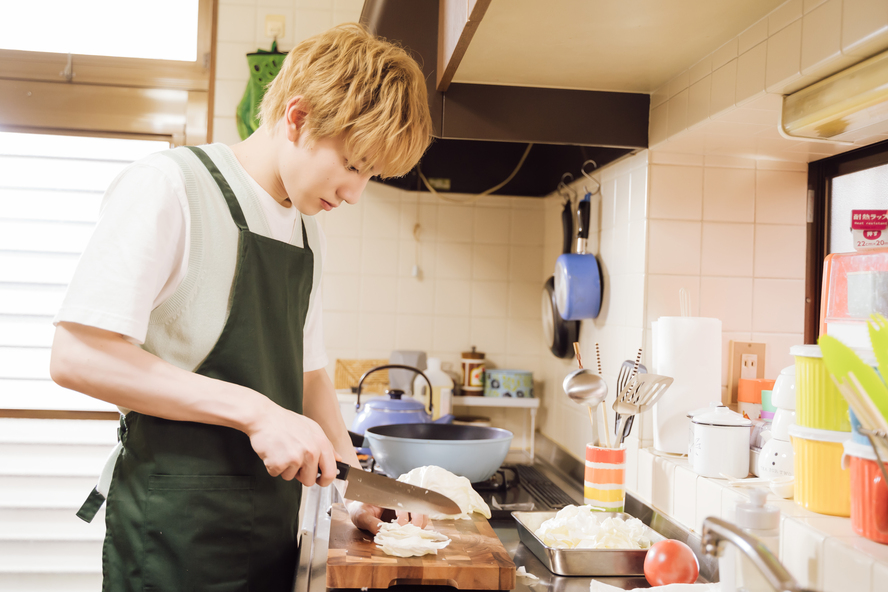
x=528 y=403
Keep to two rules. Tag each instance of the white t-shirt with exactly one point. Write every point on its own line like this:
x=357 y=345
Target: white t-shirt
x=138 y=254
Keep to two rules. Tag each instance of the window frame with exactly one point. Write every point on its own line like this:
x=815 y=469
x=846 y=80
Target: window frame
x=144 y=97
x=820 y=176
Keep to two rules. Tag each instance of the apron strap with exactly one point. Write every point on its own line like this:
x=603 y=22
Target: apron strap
x=304 y=234
x=237 y=214
x=91 y=506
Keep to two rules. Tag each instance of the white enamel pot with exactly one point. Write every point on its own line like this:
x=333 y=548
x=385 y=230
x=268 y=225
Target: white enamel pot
x=720 y=444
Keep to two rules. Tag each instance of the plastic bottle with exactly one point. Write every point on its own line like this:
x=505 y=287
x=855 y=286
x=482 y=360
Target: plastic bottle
x=442 y=388
x=736 y=572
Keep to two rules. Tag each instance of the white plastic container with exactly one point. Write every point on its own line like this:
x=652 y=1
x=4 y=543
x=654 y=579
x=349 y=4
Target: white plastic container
x=442 y=389
x=736 y=572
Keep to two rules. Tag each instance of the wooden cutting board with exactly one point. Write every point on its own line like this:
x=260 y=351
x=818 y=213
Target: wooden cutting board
x=475 y=559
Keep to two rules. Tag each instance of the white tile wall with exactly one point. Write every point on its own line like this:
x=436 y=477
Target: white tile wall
x=797 y=44
x=620 y=243
x=241 y=30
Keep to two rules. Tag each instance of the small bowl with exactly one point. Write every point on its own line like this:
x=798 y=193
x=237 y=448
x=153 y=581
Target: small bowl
x=783 y=487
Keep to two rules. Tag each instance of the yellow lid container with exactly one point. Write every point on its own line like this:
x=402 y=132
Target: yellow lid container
x=821 y=484
x=819 y=404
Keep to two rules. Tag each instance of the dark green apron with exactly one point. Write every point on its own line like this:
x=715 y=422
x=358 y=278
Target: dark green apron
x=191 y=506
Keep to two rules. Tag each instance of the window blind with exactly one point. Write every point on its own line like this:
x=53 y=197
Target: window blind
x=51 y=188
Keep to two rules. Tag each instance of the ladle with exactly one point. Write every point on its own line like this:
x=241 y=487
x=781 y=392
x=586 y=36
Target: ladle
x=586 y=388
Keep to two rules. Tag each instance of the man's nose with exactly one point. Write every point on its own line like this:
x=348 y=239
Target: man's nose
x=353 y=191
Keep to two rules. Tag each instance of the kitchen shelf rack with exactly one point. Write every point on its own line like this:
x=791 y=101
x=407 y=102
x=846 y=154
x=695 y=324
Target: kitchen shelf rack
x=528 y=403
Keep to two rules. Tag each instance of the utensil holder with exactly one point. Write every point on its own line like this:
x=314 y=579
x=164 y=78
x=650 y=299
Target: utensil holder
x=604 y=485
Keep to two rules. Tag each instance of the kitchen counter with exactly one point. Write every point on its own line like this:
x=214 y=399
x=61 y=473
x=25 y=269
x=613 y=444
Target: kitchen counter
x=522 y=556
x=559 y=468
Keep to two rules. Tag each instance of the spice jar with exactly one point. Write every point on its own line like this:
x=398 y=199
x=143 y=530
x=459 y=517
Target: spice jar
x=473 y=372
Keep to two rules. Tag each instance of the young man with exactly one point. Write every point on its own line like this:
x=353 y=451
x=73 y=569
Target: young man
x=196 y=309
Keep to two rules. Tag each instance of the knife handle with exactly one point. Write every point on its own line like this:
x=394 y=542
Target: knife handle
x=342 y=470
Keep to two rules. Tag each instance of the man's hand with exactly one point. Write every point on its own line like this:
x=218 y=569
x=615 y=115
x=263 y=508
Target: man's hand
x=369 y=518
x=293 y=446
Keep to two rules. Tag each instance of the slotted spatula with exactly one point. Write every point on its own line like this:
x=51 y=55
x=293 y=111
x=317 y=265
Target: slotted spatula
x=640 y=395
x=628 y=370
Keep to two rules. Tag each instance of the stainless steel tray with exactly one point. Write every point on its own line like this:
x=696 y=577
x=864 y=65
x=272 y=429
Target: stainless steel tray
x=581 y=562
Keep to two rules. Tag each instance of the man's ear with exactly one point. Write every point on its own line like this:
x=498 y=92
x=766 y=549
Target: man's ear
x=295 y=116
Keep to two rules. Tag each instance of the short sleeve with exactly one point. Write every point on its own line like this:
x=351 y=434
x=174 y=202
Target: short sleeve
x=136 y=255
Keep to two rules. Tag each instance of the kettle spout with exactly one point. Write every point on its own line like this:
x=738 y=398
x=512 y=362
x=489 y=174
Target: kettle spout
x=445 y=419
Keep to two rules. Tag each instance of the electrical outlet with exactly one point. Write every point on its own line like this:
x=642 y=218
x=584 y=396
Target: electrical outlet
x=275 y=25
x=745 y=360
x=748 y=366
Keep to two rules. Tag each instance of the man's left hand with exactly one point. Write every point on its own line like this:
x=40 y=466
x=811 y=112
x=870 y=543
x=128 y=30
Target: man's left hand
x=369 y=518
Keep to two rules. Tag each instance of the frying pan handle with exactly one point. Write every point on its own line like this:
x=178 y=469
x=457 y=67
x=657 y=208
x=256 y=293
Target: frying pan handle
x=583 y=211
x=400 y=366
x=567 y=227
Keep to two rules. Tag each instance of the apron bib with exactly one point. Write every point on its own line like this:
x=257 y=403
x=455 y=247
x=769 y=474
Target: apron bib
x=191 y=506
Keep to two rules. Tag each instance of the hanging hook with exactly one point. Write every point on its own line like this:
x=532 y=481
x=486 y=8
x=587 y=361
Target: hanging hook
x=585 y=174
x=564 y=189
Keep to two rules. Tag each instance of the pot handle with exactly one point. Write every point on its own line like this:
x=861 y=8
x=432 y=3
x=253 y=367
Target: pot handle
x=401 y=367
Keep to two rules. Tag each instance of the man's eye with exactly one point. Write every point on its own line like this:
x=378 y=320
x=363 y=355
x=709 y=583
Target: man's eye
x=350 y=168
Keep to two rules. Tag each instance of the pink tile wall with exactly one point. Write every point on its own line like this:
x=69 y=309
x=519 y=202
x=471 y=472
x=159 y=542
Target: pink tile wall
x=731 y=232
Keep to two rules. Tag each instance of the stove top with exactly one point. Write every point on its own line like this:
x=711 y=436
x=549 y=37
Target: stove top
x=520 y=487
x=512 y=488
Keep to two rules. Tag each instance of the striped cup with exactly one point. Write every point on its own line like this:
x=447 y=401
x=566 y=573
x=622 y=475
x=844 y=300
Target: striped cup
x=605 y=479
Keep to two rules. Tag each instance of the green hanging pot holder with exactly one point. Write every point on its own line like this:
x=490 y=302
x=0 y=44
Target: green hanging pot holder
x=264 y=66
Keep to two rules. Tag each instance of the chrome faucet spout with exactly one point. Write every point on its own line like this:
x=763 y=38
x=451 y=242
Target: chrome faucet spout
x=716 y=532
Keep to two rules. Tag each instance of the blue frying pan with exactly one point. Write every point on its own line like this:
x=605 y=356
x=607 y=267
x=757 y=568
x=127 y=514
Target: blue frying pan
x=578 y=279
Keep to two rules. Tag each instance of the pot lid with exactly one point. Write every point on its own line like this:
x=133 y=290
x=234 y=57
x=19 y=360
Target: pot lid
x=859 y=450
x=712 y=407
x=813 y=351
x=806 y=433
x=395 y=401
x=721 y=416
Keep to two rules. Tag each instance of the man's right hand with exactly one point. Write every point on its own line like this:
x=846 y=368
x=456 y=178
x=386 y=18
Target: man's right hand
x=292 y=446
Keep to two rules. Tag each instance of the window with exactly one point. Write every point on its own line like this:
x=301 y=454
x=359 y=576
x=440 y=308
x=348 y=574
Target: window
x=836 y=185
x=117 y=66
x=51 y=187
x=121 y=28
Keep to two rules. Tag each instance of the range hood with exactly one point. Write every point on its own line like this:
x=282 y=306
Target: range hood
x=481 y=131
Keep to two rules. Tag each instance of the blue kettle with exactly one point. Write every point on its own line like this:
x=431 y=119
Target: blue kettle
x=393 y=409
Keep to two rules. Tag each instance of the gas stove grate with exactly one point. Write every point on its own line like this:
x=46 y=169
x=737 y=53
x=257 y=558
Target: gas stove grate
x=541 y=488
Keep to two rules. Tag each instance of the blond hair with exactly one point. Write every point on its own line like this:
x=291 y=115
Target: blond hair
x=366 y=89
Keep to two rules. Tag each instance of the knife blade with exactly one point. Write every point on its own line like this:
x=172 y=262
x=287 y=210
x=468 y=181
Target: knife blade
x=377 y=490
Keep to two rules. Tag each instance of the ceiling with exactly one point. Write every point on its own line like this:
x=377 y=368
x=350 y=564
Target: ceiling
x=610 y=45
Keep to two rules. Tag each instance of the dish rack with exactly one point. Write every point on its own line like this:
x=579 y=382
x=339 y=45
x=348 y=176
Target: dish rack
x=882 y=437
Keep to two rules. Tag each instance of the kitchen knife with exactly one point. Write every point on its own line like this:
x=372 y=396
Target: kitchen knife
x=384 y=492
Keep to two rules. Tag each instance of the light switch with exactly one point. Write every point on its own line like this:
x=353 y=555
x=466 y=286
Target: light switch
x=275 y=25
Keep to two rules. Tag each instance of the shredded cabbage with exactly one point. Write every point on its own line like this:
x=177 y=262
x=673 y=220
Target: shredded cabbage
x=580 y=527
x=409 y=540
x=457 y=488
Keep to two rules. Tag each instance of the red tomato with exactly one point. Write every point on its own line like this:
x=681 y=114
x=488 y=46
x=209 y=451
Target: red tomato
x=670 y=562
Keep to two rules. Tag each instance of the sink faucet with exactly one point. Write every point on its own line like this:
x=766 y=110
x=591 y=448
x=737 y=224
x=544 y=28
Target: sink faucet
x=717 y=531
